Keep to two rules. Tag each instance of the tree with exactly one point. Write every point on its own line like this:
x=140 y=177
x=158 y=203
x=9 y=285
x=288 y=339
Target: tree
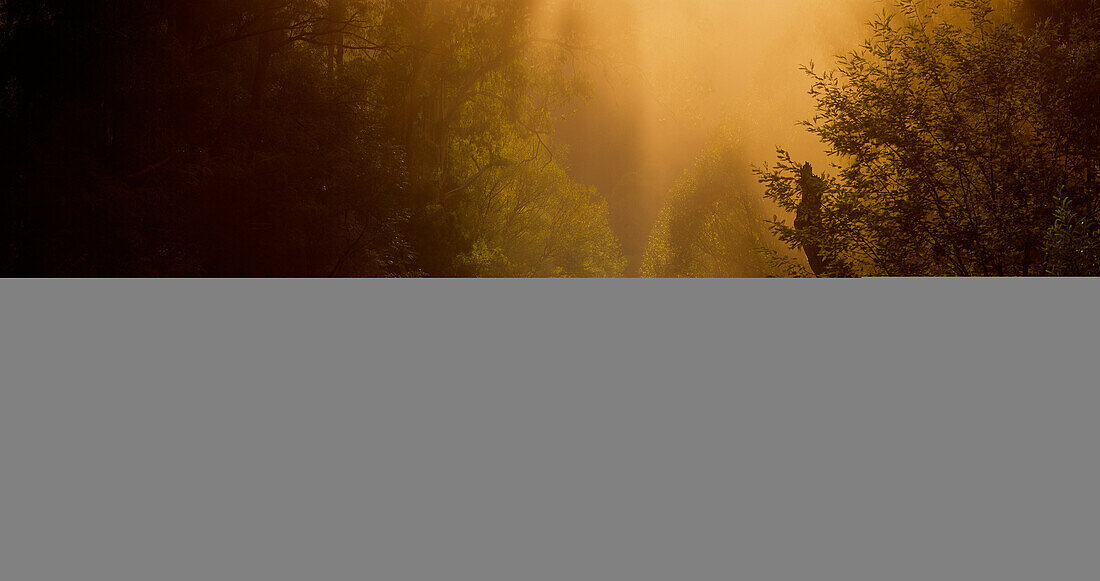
x=712 y=226
x=1035 y=11
x=953 y=132
x=140 y=144
x=1072 y=245
x=532 y=220
x=472 y=103
x=276 y=138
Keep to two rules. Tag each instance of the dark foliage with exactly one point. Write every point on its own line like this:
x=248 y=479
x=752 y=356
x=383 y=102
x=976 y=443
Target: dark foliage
x=959 y=139
x=252 y=137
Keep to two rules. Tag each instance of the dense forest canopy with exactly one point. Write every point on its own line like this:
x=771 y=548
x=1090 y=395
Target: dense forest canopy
x=290 y=137
x=966 y=145
x=524 y=138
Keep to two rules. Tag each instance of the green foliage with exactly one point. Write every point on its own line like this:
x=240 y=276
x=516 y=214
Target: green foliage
x=712 y=227
x=527 y=218
x=476 y=121
x=1072 y=244
x=542 y=225
x=953 y=131
x=287 y=137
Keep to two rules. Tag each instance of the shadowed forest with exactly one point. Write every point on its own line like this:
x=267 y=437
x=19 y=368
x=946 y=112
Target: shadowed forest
x=549 y=138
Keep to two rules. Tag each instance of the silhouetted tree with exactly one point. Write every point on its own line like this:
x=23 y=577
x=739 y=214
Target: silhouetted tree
x=807 y=221
x=953 y=141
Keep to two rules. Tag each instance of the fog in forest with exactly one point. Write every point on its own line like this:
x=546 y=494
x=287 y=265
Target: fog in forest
x=550 y=138
x=668 y=75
